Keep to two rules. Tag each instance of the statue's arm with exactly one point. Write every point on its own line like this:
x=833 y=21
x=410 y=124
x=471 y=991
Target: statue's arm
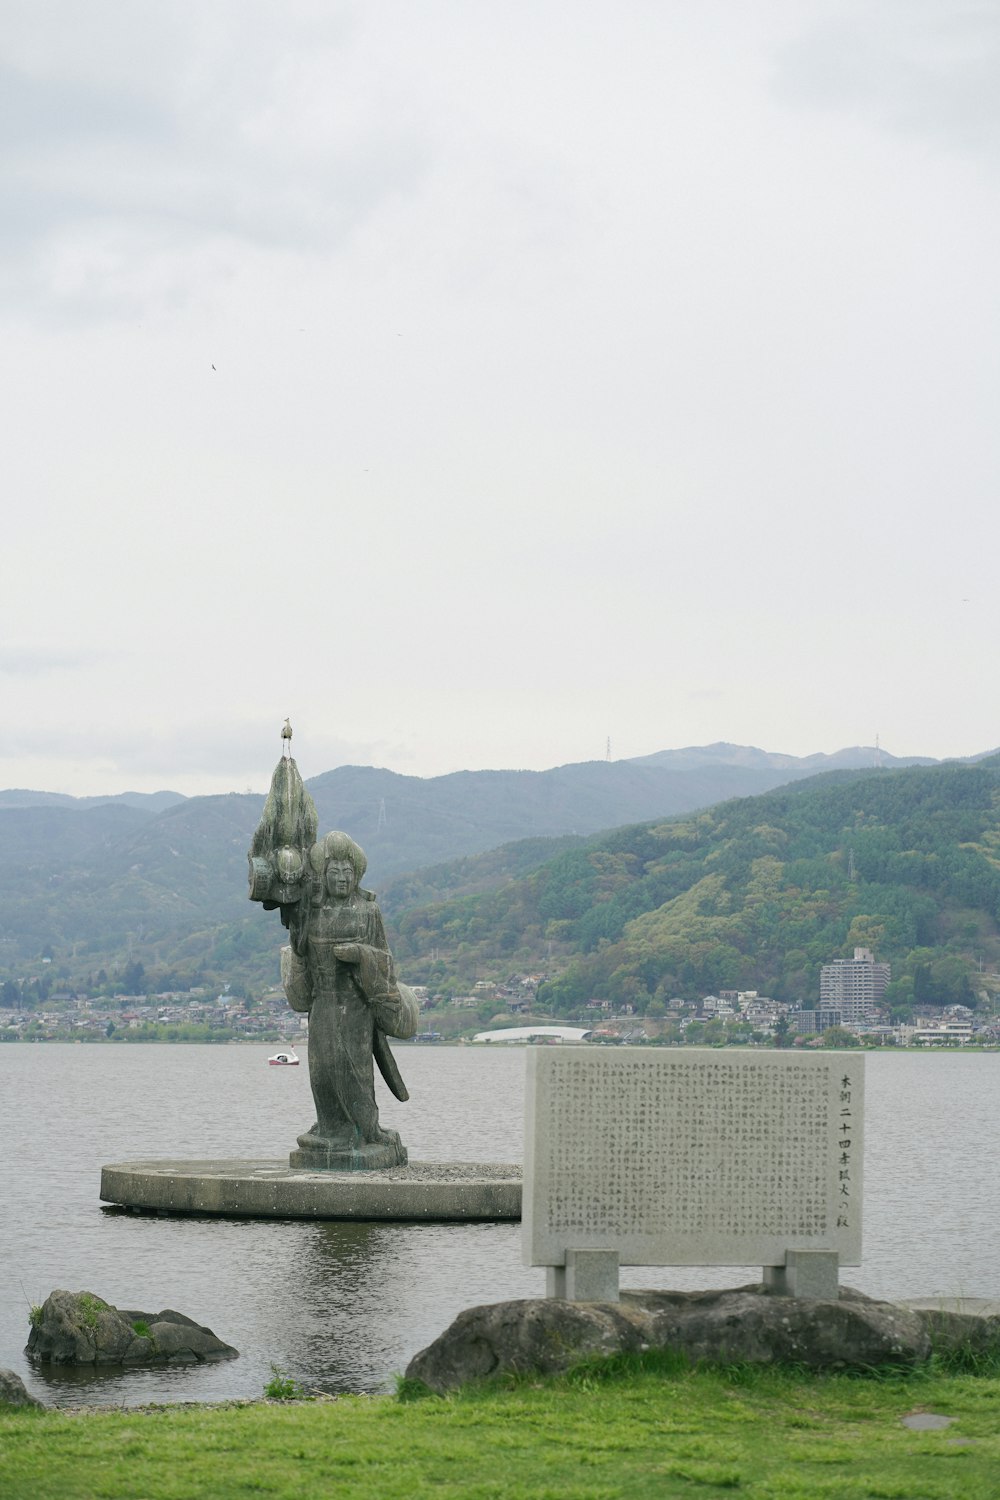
x=394 y=1005
x=296 y=980
x=408 y=1014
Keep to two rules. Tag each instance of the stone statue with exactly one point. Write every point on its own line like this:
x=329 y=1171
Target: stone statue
x=338 y=969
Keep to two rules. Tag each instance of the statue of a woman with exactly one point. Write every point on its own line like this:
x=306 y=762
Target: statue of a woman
x=339 y=970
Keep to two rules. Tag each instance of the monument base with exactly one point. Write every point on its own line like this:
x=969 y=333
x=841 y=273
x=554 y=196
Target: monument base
x=445 y=1191
x=318 y=1155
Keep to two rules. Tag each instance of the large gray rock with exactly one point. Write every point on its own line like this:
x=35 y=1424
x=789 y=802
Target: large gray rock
x=970 y=1331
x=745 y=1326
x=749 y=1327
x=12 y=1391
x=78 y=1328
x=544 y=1335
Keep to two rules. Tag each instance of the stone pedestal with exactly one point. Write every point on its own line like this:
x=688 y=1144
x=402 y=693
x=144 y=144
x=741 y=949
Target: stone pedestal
x=449 y=1192
x=587 y=1276
x=806 y=1273
x=318 y=1155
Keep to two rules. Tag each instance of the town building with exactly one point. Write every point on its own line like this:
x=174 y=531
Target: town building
x=938 y=1033
x=813 y=1022
x=853 y=986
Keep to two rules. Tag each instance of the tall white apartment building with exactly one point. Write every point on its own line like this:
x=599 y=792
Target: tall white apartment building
x=854 y=986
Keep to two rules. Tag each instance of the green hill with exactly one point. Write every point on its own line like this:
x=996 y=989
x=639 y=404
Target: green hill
x=92 y=889
x=754 y=894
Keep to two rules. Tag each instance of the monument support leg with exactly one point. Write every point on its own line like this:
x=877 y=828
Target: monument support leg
x=587 y=1276
x=806 y=1273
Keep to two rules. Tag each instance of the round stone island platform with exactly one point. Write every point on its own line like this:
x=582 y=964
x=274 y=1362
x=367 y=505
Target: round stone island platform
x=442 y=1191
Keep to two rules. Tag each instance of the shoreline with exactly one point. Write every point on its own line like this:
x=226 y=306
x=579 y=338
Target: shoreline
x=302 y=1042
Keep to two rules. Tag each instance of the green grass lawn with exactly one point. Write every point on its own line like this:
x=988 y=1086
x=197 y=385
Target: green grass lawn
x=647 y=1430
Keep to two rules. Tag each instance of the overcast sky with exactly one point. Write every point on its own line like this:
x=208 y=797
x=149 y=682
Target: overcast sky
x=474 y=380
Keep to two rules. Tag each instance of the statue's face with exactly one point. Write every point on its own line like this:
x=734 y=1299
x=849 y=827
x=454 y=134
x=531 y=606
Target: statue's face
x=340 y=878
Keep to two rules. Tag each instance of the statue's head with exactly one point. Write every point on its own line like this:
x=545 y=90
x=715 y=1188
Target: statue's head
x=341 y=863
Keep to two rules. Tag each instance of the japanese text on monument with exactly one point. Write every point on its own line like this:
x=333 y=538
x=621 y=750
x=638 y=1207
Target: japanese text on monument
x=845 y=1146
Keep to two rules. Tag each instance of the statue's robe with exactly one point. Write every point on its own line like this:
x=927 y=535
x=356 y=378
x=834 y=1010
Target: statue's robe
x=348 y=1005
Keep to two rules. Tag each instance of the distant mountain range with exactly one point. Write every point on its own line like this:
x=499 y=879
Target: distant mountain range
x=162 y=875
x=144 y=801
x=854 y=758
x=468 y=807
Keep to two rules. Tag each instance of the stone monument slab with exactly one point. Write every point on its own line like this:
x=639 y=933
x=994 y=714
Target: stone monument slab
x=701 y=1157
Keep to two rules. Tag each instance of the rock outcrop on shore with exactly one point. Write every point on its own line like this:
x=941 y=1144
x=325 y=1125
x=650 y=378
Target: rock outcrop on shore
x=13 y=1391
x=746 y=1326
x=79 y=1328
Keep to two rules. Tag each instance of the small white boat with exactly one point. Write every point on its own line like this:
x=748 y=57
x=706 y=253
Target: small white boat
x=283 y=1060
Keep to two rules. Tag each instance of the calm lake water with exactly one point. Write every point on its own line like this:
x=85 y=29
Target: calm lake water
x=341 y=1307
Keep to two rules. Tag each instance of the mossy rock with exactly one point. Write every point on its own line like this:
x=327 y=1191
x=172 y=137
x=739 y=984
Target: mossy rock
x=79 y=1328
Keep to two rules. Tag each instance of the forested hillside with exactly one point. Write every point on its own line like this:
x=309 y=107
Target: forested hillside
x=754 y=894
